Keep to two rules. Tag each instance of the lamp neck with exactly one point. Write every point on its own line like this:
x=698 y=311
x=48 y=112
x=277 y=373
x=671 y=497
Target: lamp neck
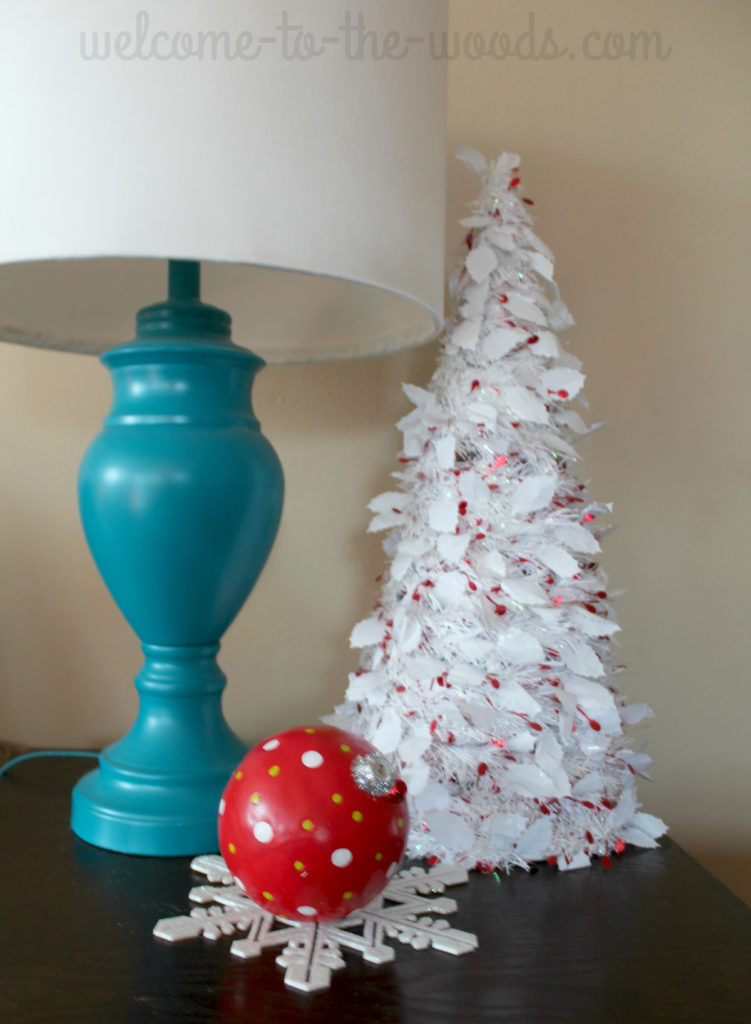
x=184 y=280
x=182 y=316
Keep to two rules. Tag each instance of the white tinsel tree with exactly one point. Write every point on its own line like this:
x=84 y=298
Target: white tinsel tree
x=486 y=672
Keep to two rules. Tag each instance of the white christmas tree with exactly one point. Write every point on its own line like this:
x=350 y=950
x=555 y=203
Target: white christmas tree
x=486 y=672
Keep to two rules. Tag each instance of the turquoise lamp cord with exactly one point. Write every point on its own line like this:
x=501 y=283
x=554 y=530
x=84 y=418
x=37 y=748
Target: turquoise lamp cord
x=44 y=753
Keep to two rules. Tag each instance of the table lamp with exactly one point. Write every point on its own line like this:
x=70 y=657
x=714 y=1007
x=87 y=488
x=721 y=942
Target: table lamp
x=293 y=157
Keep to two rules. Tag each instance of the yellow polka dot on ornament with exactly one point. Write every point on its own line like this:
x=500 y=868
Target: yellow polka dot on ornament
x=310 y=731
x=345 y=748
x=346 y=895
x=308 y=825
x=274 y=770
x=399 y=822
x=232 y=848
x=267 y=896
x=337 y=798
x=238 y=775
x=379 y=856
x=298 y=865
x=255 y=798
x=357 y=815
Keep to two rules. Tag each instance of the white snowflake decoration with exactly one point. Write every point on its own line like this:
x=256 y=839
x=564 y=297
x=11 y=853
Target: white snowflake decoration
x=311 y=950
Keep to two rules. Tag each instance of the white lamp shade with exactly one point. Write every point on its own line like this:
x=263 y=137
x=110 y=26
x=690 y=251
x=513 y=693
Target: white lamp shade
x=297 y=148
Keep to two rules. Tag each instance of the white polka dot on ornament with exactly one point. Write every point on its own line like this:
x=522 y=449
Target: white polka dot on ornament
x=263 y=832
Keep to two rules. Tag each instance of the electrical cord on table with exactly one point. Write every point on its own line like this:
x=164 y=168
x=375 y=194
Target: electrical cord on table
x=44 y=753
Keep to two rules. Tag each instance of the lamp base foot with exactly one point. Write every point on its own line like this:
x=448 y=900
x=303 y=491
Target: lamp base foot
x=151 y=814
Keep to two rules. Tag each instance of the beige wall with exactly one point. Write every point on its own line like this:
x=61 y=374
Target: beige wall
x=640 y=172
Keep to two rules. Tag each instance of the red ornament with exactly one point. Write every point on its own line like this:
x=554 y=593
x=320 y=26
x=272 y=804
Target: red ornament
x=313 y=823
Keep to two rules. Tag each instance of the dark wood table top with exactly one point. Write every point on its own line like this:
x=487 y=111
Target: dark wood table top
x=654 y=939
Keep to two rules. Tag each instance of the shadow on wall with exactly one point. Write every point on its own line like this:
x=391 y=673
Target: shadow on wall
x=334 y=426
x=333 y=399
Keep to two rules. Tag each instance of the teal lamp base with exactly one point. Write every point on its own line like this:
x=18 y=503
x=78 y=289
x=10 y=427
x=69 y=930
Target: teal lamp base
x=156 y=792
x=180 y=499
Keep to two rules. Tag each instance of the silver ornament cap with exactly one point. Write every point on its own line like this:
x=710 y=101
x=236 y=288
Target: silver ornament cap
x=373 y=774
